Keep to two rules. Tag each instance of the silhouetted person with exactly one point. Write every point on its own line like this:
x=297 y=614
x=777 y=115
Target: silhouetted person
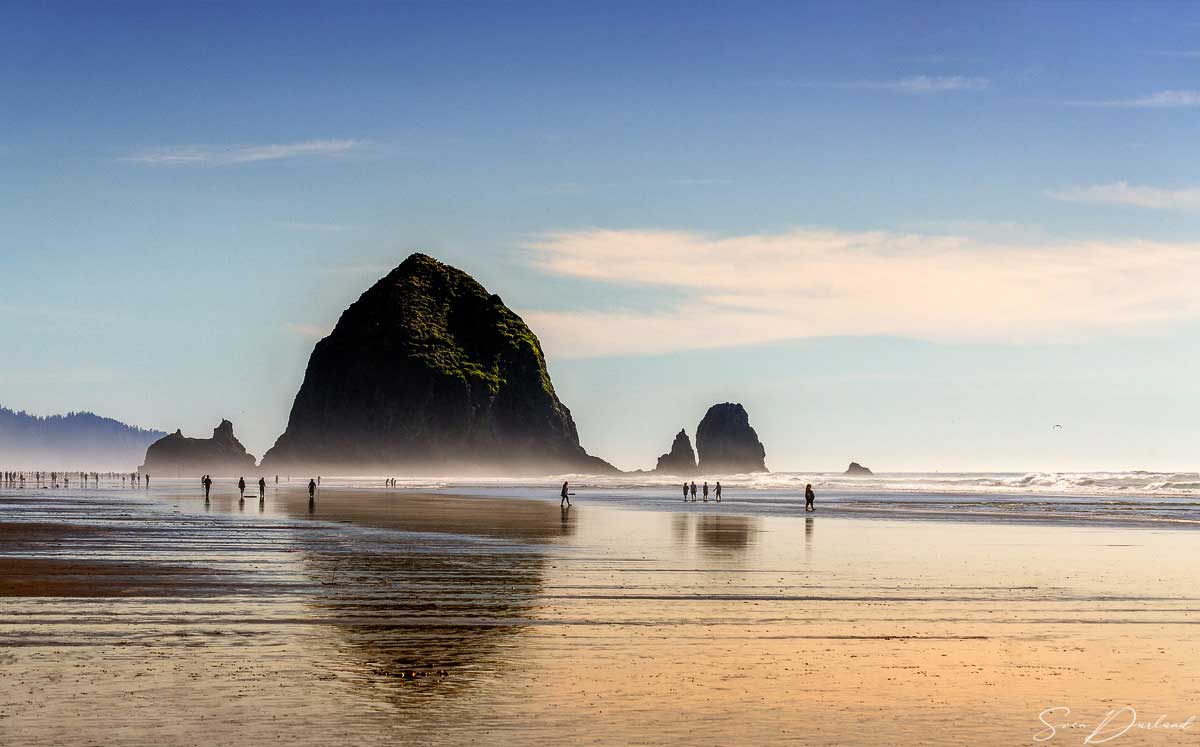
x=147 y=481
x=262 y=489
x=706 y=491
x=685 y=492
x=809 y=497
x=718 y=491
x=565 y=499
x=693 y=491
x=207 y=486
x=241 y=488
x=312 y=490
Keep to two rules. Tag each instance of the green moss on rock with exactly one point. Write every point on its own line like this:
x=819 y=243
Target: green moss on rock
x=428 y=367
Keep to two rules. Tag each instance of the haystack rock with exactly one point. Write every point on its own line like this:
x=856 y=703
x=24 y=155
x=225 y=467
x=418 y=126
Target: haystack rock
x=680 y=460
x=857 y=469
x=177 y=454
x=727 y=444
x=428 y=372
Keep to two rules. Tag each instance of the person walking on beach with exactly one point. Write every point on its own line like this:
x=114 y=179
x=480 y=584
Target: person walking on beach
x=809 y=497
x=242 y=488
x=693 y=491
x=685 y=492
x=262 y=489
x=706 y=491
x=718 y=491
x=565 y=499
x=312 y=490
x=207 y=482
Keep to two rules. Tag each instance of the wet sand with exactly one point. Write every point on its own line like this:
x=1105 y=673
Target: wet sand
x=396 y=617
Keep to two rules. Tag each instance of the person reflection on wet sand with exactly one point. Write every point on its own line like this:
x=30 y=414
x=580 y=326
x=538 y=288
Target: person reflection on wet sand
x=681 y=528
x=808 y=535
x=723 y=532
x=435 y=614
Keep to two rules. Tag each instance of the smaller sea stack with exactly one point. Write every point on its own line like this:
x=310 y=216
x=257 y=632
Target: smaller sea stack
x=177 y=454
x=681 y=459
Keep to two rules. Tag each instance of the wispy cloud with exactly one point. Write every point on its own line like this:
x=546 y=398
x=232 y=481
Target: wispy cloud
x=309 y=331
x=61 y=375
x=230 y=155
x=376 y=269
x=762 y=288
x=318 y=227
x=1172 y=99
x=1123 y=193
x=1183 y=54
x=698 y=182
x=915 y=84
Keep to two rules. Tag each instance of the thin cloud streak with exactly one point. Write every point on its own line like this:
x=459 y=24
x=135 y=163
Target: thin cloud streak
x=318 y=227
x=231 y=155
x=915 y=84
x=1171 y=99
x=1123 y=193
x=763 y=288
x=1183 y=54
x=308 y=331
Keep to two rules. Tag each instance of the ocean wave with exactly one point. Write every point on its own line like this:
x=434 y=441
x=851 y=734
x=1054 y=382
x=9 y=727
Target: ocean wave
x=1127 y=483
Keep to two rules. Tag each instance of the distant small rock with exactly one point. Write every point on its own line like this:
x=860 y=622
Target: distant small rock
x=857 y=469
x=177 y=454
x=681 y=459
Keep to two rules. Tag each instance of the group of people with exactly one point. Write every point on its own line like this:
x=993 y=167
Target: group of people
x=689 y=494
x=689 y=490
x=262 y=488
x=206 y=482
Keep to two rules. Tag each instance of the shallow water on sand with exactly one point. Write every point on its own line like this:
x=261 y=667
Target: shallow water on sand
x=393 y=616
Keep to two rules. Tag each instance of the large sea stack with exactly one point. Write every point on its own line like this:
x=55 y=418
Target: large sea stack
x=178 y=455
x=727 y=444
x=680 y=460
x=428 y=372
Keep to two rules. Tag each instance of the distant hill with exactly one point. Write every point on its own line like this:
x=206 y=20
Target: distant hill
x=75 y=441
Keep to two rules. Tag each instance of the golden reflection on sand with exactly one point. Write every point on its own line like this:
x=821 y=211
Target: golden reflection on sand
x=446 y=620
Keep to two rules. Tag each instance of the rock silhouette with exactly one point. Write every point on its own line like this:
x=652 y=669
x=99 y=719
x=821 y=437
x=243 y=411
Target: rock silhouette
x=681 y=459
x=857 y=469
x=726 y=443
x=177 y=454
x=427 y=371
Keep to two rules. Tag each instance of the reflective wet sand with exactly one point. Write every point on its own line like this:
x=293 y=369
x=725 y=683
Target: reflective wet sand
x=395 y=617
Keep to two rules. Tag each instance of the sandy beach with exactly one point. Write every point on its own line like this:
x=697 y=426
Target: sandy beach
x=146 y=618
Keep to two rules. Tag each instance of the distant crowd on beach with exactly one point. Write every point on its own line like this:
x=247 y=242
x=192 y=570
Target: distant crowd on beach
x=52 y=479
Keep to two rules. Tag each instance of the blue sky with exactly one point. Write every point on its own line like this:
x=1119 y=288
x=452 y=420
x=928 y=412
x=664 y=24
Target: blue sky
x=913 y=235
